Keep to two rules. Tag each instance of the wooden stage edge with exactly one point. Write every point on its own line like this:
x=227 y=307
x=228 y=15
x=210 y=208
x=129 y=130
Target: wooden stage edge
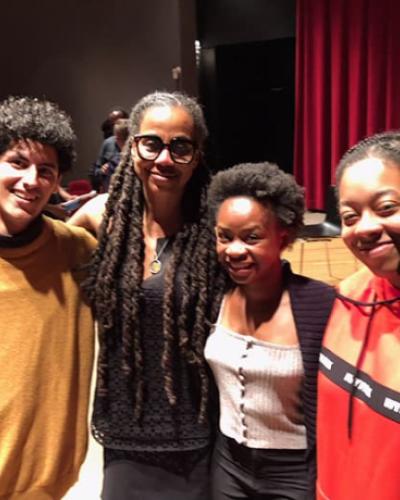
x=325 y=259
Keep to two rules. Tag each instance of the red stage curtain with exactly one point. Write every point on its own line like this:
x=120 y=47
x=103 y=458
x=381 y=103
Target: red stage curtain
x=347 y=83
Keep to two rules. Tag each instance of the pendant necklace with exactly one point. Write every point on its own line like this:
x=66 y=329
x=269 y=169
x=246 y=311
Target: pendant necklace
x=155 y=264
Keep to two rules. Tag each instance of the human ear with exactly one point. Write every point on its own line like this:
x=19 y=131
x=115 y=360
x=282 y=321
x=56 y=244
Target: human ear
x=285 y=239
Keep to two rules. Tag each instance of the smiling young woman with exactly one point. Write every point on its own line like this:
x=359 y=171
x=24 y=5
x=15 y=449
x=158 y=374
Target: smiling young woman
x=264 y=347
x=359 y=381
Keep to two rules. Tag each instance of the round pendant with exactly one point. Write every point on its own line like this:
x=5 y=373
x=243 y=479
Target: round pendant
x=155 y=266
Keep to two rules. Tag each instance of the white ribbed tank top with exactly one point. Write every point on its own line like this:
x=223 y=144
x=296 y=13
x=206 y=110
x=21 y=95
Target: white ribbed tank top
x=259 y=389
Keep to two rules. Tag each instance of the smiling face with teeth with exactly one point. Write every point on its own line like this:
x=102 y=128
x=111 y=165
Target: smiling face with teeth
x=163 y=176
x=29 y=174
x=249 y=241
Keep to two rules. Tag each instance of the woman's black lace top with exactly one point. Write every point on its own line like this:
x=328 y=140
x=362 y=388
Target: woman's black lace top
x=161 y=428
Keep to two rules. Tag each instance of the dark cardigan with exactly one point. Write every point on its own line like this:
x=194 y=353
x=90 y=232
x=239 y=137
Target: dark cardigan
x=311 y=302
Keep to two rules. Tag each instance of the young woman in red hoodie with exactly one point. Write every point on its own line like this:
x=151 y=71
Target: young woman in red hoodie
x=358 y=431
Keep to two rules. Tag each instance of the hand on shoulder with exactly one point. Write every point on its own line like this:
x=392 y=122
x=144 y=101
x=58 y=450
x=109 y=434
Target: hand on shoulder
x=90 y=214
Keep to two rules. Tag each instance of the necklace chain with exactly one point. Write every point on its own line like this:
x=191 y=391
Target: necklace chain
x=155 y=264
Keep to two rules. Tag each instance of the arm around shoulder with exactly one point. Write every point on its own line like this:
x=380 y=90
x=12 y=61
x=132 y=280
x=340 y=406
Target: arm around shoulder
x=90 y=215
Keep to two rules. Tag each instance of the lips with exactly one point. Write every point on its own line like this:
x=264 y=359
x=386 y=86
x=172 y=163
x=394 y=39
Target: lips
x=238 y=272
x=239 y=267
x=163 y=175
x=376 y=249
x=366 y=247
x=29 y=198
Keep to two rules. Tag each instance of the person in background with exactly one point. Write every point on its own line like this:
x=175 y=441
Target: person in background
x=62 y=204
x=264 y=347
x=61 y=195
x=151 y=284
x=359 y=379
x=116 y=113
x=110 y=153
x=90 y=215
x=46 y=352
x=107 y=127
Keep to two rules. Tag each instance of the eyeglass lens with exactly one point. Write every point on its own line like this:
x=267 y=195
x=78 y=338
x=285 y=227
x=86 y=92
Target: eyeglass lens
x=181 y=149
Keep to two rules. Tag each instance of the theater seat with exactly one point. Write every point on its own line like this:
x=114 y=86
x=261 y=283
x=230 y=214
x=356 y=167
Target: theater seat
x=79 y=186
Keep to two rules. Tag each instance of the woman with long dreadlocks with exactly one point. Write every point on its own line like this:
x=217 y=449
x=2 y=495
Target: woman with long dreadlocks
x=358 y=424
x=151 y=284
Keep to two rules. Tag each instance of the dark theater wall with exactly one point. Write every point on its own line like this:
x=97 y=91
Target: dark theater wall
x=222 y=22
x=89 y=55
x=247 y=66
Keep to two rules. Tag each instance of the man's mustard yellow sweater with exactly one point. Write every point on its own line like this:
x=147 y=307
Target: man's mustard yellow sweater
x=46 y=356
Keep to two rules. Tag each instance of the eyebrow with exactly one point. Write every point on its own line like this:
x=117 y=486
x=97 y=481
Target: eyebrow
x=375 y=196
x=51 y=165
x=17 y=153
x=24 y=157
x=245 y=228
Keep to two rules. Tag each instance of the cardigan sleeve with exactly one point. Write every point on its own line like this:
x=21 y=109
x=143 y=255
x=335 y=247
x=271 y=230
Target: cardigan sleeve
x=312 y=303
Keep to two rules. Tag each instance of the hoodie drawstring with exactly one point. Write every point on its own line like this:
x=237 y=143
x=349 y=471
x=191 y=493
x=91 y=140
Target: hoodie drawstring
x=374 y=305
x=358 y=365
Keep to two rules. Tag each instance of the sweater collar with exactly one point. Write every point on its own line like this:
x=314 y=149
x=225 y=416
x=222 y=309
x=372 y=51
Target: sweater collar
x=25 y=237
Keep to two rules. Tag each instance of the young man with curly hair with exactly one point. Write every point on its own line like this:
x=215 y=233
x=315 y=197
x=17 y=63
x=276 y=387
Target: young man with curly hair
x=46 y=348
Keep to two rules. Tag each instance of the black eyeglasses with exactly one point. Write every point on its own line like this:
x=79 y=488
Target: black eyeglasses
x=149 y=147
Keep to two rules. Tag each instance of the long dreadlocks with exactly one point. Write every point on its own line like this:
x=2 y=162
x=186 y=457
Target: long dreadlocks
x=116 y=271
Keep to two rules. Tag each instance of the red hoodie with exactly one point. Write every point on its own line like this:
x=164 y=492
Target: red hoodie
x=358 y=421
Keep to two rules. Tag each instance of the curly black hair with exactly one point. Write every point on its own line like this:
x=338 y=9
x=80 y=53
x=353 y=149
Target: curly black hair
x=384 y=146
x=39 y=120
x=118 y=265
x=266 y=183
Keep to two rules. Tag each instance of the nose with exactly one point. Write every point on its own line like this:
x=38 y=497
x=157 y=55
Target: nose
x=236 y=250
x=164 y=158
x=368 y=225
x=30 y=176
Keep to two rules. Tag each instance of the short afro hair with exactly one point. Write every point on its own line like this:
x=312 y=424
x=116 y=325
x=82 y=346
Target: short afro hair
x=38 y=120
x=266 y=183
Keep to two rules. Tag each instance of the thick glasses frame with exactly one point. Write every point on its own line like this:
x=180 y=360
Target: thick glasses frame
x=162 y=145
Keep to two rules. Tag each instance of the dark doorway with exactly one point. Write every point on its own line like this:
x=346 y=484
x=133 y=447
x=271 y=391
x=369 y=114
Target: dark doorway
x=248 y=93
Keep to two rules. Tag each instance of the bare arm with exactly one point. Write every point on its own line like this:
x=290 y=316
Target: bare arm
x=64 y=194
x=90 y=214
